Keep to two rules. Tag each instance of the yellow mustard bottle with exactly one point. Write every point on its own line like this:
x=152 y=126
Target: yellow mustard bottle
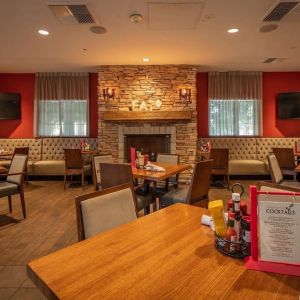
x=215 y=207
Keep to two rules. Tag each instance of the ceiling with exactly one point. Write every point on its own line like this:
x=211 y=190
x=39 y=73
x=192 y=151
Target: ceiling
x=195 y=34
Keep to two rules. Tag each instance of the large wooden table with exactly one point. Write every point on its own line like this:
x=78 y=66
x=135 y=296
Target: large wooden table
x=164 y=255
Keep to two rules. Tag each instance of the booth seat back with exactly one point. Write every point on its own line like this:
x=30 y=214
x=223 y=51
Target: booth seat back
x=33 y=144
x=250 y=148
x=239 y=148
x=53 y=148
x=265 y=145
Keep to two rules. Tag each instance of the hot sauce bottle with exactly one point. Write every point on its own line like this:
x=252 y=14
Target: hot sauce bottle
x=231 y=234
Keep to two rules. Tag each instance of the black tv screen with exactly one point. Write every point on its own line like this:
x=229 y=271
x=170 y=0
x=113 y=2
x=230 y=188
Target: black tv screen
x=10 y=106
x=288 y=105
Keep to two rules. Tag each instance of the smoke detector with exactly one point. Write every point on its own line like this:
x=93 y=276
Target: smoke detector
x=98 y=29
x=136 y=18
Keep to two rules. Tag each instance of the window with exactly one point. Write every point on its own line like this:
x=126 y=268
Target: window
x=234 y=117
x=63 y=118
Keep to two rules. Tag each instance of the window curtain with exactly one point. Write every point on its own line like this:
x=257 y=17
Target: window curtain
x=235 y=85
x=235 y=103
x=61 y=104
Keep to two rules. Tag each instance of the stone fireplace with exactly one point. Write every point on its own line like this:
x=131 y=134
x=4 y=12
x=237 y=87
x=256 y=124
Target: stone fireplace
x=137 y=91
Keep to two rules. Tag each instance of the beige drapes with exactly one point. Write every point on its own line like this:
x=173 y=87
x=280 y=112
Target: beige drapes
x=59 y=86
x=62 y=86
x=234 y=85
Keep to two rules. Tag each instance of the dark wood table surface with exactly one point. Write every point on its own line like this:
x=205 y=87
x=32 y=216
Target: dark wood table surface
x=164 y=255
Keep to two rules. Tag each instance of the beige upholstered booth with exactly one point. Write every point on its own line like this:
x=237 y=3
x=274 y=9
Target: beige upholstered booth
x=248 y=155
x=46 y=155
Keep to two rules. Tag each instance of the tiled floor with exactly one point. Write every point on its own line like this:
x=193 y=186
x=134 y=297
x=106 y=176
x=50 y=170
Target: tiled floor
x=50 y=225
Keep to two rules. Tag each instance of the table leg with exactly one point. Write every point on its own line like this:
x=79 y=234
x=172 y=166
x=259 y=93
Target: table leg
x=154 y=196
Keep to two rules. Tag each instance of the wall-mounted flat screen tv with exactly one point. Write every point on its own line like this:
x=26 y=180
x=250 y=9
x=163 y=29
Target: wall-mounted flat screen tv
x=10 y=106
x=288 y=105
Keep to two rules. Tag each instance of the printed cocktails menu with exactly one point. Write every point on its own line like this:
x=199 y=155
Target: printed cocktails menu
x=279 y=228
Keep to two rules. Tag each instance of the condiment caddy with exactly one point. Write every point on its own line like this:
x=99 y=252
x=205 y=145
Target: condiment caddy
x=233 y=232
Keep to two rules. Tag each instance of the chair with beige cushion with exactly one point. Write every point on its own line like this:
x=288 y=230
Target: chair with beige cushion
x=197 y=190
x=100 y=211
x=14 y=181
x=97 y=159
x=169 y=159
x=276 y=174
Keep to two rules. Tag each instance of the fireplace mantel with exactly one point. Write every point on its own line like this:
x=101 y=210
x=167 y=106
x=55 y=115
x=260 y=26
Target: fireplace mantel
x=127 y=116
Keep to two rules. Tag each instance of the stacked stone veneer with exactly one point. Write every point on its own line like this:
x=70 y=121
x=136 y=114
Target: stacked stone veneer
x=148 y=83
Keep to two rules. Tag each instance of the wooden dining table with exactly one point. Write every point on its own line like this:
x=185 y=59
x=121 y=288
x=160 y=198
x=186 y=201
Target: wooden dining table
x=164 y=255
x=152 y=175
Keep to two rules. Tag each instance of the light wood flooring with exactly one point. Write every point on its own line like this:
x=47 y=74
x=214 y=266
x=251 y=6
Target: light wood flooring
x=50 y=225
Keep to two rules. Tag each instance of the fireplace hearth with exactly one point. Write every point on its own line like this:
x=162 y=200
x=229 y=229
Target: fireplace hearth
x=150 y=144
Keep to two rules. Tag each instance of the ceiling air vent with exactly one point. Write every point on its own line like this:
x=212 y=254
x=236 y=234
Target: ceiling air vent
x=73 y=14
x=81 y=13
x=280 y=10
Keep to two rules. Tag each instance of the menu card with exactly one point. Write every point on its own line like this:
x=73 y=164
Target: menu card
x=279 y=228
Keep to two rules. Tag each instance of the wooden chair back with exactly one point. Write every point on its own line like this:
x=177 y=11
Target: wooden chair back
x=275 y=171
x=115 y=174
x=220 y=157
x=200 y=182
x=285 y=157
x=22 y=150
x=100 y=211
x=73 y=159
x=97 y=159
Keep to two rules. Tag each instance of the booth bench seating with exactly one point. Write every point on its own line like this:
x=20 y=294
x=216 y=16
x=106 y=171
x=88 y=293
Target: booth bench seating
x=46 y=155
x=248 y=156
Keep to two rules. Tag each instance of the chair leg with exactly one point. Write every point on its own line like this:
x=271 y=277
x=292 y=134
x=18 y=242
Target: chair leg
x=23 y=203
x=65 y=181
x=9 y=204
x=147 y=210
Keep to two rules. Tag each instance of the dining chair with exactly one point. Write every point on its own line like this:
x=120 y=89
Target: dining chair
x=25 y=151
x=14 y=181
x=96 y=160
x=170 y=159
x=197 y=190
x=74 y=165
x=220 y=157
x=116 y=174
x=276 y=173
x=286 y=160
x=102 y=210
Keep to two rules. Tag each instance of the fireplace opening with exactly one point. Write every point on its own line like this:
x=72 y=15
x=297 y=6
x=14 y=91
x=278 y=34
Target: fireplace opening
x=150 y=144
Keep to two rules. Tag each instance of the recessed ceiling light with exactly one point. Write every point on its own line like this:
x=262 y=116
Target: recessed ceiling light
x=233 y=30
x=43 y=32
x=146 y=59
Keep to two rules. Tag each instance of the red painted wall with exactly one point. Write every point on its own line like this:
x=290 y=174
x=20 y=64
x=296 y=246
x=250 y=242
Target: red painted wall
x=272 y=83
x=24 y=84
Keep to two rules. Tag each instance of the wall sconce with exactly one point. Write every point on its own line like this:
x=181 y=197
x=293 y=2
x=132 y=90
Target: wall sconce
x=109 y=93
x=185 y=94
